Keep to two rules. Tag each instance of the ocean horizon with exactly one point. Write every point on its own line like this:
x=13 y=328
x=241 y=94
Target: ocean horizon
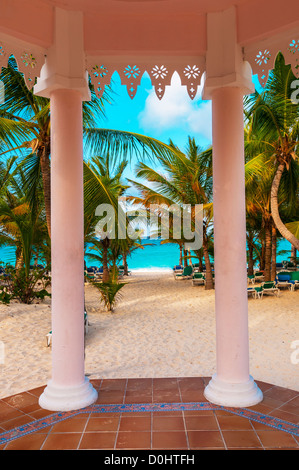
x=154 y=257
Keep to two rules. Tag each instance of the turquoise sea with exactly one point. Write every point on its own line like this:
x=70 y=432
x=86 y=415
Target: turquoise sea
x=154 y=257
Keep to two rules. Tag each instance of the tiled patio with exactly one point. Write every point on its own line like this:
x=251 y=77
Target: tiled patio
x=152 y=414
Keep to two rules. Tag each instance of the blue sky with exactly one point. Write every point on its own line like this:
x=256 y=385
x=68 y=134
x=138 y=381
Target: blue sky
x=174 y=117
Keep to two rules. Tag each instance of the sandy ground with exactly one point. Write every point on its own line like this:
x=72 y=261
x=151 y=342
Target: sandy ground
x=160 y=328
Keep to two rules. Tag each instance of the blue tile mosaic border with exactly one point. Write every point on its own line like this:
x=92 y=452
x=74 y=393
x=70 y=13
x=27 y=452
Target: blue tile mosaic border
x=50 y=420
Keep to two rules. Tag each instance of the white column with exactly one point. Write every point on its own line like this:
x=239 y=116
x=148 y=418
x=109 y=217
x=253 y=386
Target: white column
x=68 y=389
x=227 y=80
x=64 y=81
x=232 y=385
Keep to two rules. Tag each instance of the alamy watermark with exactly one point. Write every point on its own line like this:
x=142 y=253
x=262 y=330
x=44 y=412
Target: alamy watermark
x=295 y=353
x=2 y=353
x=168 y=222
x=295 y=94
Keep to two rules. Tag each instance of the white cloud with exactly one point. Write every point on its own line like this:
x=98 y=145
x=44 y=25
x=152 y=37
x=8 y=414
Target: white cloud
x=177 y=110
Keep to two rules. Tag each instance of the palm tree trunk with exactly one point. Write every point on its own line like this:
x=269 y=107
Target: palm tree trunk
x=262 y=255
x=250 y=254
x=185 y=258
x=19 y=259
x=181 y=254
x=275 y=209
x=200 y=263
x=199 y=256
x=209 y=284
x=293 y=255
x=274 y=250
x=126 y=271
x=46 y=176
x=268 y=250
x=105 y=244
x=189 y=254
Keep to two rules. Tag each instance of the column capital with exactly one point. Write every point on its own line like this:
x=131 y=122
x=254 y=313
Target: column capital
x=65 y=66
x=225 y=66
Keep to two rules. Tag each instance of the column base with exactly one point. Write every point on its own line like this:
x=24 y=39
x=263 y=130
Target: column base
x=58 y=398
x=236 y=395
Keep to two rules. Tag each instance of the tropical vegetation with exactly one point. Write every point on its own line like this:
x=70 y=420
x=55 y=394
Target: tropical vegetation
x=173 y=177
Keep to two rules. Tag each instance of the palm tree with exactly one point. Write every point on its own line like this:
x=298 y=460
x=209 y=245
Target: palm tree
x=25 y=229
x=128 y=248
x=101 y=183
x=6 y=173
x=25 y=128
x=253 y=228
x=21 y=226
x=185 y=179
x=275 y=124
x=258 y=205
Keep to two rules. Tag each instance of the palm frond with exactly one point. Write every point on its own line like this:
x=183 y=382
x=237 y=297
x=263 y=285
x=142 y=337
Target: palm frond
x=124 y=144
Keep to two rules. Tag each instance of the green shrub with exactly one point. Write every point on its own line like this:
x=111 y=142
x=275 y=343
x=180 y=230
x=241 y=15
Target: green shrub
x=5 y=297
x=110 y=292
x=24 y=286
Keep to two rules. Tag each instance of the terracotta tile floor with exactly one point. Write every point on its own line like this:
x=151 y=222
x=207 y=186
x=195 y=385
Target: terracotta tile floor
x=273 y=424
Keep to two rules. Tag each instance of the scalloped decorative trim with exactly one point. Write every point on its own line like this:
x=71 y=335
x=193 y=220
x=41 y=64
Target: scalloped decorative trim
x=29 y=61
x=262 y=57
x=131 y=74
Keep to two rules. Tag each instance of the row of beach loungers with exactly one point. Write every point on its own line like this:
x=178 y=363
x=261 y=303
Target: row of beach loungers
x=189 y=272
x=284 y=279
x=96 y=274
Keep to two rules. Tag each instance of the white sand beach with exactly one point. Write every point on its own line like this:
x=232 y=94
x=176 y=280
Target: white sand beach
x=160 y=328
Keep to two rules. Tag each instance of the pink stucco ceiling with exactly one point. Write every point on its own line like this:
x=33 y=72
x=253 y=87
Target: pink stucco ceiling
x=161 y=6
x=146 y=26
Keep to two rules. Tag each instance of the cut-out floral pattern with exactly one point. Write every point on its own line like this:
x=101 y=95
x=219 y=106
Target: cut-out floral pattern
x=2 y=50
x=100 y=76
x=294 y=46
x=263 y=57
x=99 y=71
x=262 y=60
x=29 y=63
x=132 y=72
x=28 y=60
x=159 y=72
x=192 y=72
x=294 y=49
x=131 y=77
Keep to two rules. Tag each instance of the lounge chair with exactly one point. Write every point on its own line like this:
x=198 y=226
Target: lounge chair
x=250 y=279
x=259 y=276
x=90 y=272
x=198 y=279
x=121 y=269
x=289 y=265
x=186 y=274
x=3 y=277
x=196 y=268
x=269 y=288
x=121 y=272
x=284 y=280
x=49 y=335
x=178 y=269
x=294 y=279
x=98 y=273
x=256 y=292
x=251 y=291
